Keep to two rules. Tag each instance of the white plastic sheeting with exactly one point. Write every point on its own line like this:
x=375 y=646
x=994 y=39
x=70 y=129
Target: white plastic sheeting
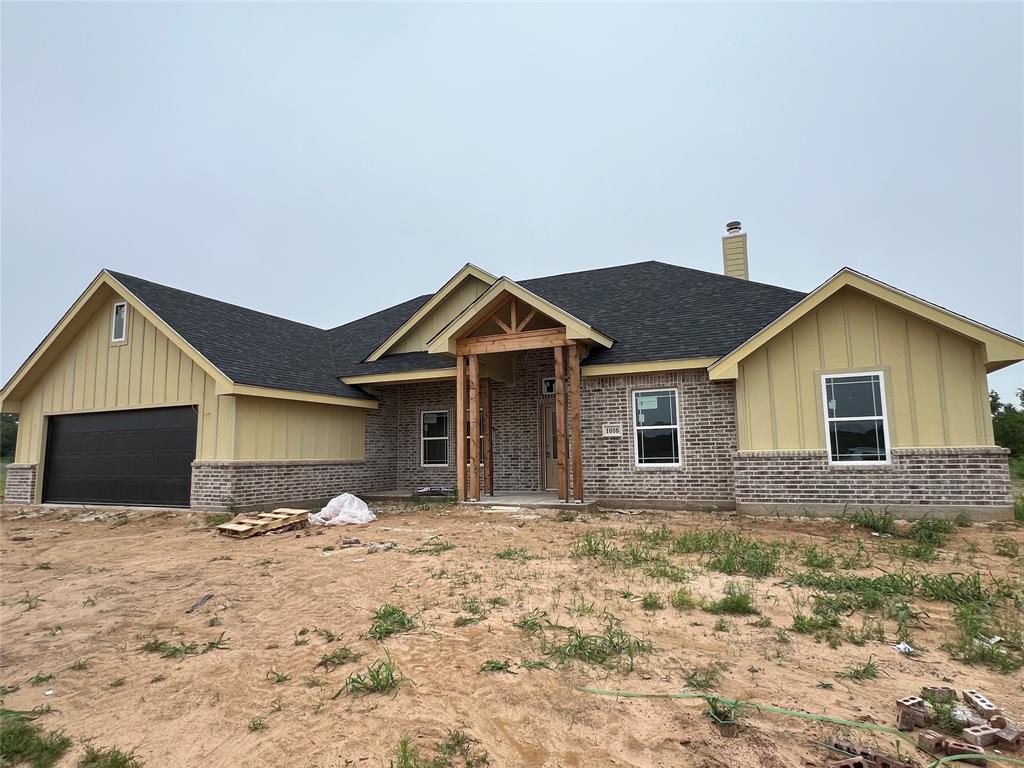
x=343 y=510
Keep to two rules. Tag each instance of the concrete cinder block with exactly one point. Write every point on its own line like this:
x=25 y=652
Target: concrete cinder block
x=966 y=717
x=981 y=735
x=979 y=702
x=853 y=762
x=939 y=692
x=930 y=741
x=907 y=718
x=954 y=747
x=1011 y=737
x=910 y=701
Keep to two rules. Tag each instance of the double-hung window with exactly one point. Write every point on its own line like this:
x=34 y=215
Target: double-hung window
x=855 y=422
x=434 y=438
x=656 y=427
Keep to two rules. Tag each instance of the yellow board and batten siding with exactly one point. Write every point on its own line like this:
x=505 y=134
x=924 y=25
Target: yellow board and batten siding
x=286 y=429
x=936 y=390
x=447 y=310
x=148 y=369
x=93 y=374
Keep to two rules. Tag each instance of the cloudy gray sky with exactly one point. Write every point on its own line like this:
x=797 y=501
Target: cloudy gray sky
x=323 y=161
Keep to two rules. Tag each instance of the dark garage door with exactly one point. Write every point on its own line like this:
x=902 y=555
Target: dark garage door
x=140 y=457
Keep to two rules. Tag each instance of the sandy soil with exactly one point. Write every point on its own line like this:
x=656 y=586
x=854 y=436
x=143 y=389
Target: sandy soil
x=115 y=579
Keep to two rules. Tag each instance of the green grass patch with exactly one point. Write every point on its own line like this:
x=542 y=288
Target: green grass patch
x=382 y=676
x=860 y=672
x=613 y=647
x=337 y=658
x=390 y=620
x=738 y=601
x=109 y=757
x=22 y=741
x=432 y=546
x=513 y=553
x=682 y=599
x=652 y=602
x=873 y=521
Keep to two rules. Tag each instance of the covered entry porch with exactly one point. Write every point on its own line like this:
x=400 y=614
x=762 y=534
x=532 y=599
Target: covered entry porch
x=506 y=322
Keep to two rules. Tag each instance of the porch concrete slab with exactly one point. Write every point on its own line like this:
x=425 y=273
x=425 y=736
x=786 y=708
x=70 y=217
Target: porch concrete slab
x=521 y=499
x=531 y=500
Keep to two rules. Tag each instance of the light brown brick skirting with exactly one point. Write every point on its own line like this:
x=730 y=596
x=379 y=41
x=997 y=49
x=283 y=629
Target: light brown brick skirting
x=919 y=481
x=21 y=483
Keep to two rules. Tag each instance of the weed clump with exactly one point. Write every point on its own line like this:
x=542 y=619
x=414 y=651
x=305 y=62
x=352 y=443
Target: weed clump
x=682 y=599
x=610 y=648
x=390 y=620
x=738 y=601
x=22 y=741
x=381 y=676
x=111 y=757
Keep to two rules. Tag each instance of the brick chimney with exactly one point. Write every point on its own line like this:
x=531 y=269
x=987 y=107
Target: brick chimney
x=734 y=251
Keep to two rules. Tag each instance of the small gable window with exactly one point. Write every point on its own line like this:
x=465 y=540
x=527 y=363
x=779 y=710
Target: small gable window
x=119 y=324
x=656 y=427
x=856 y=428
x=434 y=438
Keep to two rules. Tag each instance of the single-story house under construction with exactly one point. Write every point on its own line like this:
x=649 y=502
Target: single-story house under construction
x=646 y=384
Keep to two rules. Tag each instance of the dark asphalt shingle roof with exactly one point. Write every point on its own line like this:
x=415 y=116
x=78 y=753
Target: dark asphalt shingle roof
x=658 y=311
x=653 y=311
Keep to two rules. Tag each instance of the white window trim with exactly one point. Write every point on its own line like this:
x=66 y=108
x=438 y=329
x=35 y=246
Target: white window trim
x=113 y=323
x=446 y=438
x=678 y=428
x=829 y=419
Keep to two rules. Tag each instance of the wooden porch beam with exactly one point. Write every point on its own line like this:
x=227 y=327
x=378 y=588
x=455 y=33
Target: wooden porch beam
x=460 y=426
x=576 y=420
x=488 y=441
x=560 y=435
x=511 y=342
x=474 y=428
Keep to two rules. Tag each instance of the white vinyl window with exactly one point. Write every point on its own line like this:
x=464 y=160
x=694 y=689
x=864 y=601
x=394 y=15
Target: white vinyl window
x=434 y=438
x=656 y=427
x=119 y=322
x=856 y=427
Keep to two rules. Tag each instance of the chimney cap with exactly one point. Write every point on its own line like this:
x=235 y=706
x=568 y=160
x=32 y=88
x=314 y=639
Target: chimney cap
x=733 y=227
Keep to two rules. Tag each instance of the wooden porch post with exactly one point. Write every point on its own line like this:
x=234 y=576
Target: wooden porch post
x=474 y=428
x=560 y=435
x=488 y=443
x=460 y=426
x=575 y=416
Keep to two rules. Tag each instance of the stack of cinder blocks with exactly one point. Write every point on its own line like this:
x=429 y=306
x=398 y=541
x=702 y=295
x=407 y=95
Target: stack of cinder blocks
x=983 y=723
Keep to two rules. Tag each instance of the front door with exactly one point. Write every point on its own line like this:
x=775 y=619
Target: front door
x=549 y=447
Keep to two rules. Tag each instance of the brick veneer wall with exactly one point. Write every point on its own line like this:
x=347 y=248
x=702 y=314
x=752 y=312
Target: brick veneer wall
x=932 y=477
x=254 y=484
x=708 y=426
x=21 y=483
x=515 y=423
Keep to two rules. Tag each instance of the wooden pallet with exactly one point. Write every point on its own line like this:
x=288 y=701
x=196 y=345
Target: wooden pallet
x=244 y=526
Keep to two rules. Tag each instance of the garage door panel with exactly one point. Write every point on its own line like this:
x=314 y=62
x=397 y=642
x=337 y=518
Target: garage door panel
x=138 y=457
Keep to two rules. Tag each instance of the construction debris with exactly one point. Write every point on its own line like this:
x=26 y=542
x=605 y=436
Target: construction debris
x=863 y=757
x=983 y=723
x=200 y=603
x=245 y=526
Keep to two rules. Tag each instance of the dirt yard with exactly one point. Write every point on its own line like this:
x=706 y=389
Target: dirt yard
x=98 y=601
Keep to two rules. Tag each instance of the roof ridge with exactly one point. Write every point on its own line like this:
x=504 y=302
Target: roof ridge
x=117 y=275
x=663 y=264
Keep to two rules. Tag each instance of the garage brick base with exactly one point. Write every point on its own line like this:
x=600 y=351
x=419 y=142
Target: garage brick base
x=21 y=483
x=919 y=481
x=250 y=485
